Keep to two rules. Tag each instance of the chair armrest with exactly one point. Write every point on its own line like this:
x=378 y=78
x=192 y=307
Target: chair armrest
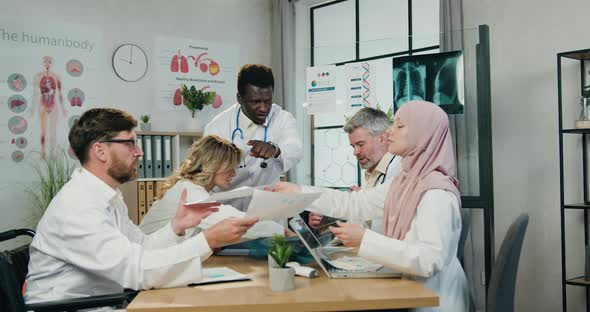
x=83 y=303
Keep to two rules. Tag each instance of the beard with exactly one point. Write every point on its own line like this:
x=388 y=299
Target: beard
x=122 y=172
x=368 y=165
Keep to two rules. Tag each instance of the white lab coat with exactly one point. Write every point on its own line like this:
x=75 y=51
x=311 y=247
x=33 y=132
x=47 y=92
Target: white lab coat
x=429 y=251
x=86 y=245
x=282 y=131
x=164 y=209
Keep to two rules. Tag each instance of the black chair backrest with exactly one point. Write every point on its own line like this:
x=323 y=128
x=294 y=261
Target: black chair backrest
x=503 y=279
x=11 y=298
x=13 y=271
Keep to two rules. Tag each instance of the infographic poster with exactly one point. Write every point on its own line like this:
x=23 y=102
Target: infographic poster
x=208 y=66
x=48 y=77
x=360 y=85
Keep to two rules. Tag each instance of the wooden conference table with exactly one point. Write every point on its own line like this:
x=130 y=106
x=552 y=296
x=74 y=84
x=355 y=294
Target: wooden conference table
x=310 y=294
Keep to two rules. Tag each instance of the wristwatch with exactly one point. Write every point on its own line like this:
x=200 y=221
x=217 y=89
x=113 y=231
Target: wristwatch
x=277 y=149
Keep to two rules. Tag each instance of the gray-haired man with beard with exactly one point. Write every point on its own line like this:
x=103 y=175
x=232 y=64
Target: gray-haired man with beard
x=368 y=137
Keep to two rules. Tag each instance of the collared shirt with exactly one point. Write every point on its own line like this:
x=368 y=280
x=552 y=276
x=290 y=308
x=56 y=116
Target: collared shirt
x=86 y=245
x=386 y=169
x=249 y=127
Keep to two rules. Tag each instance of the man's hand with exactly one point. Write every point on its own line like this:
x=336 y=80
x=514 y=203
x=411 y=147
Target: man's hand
x=261 y=149
x=354 y=188
x=351 y=235
x=315 y=219
x=188 y=216
x=286 y=187
x=228 y=231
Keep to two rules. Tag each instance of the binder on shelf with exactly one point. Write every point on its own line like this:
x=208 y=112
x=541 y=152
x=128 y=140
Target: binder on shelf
x=157 y=156
x=149 y=195
x=167 y=155
x=158 y=190
x=147 y=155
x=140 y=163
x=141 y=200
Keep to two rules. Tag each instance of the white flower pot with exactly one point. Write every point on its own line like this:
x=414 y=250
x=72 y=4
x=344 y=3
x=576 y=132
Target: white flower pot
x=145 y=126
x=281 y=279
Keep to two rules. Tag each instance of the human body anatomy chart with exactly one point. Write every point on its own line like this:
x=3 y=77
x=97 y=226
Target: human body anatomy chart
x=47 y=76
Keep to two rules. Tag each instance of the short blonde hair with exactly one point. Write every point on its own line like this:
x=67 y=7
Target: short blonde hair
x=205 y=158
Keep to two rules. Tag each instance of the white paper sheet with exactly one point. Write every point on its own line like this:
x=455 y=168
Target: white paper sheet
x=272 y=205
x=244 y=191
x=258 y=230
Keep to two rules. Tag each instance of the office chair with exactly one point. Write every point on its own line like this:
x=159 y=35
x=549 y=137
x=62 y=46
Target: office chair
x=13 y=271
x=503 y=279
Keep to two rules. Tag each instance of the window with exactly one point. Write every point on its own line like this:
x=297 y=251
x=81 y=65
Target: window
x=372 y=31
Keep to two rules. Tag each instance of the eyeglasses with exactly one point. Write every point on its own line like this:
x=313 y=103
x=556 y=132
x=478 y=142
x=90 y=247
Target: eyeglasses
x=132 y=143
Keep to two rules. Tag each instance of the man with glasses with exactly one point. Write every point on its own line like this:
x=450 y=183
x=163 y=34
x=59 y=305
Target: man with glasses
x=266 y=133
x=85 y=243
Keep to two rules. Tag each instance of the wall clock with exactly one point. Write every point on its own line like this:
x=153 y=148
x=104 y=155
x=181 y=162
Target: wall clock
x=130 y=62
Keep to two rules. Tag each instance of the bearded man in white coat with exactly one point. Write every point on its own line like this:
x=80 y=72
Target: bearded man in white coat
x=86 y=245
x=265 y=132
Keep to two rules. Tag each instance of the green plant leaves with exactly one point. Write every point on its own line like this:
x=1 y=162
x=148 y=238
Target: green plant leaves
x=280 y=250
x=53 y=173
x=195 y=99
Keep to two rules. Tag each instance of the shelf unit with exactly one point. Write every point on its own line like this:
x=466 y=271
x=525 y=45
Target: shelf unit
x=582 y=56
x=180 y=143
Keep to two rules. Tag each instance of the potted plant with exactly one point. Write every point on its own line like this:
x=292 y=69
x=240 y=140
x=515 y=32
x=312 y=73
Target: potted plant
x=145 y=123
x=52 y=173
x=195 y=99
x=282 y=278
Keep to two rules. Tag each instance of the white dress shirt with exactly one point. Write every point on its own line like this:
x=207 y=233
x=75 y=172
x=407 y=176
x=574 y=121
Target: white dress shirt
x=86 y=245
x=429 y=251
x=281 y=130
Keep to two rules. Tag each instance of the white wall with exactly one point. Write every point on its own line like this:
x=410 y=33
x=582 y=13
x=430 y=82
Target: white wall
x=525 y=37
x=245 y=24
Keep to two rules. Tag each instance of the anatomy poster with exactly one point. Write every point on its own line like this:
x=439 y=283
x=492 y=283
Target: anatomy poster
x=209 y=66
x=47 y=79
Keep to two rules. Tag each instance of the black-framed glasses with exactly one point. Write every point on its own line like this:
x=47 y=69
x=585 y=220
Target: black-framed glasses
x=132 y=143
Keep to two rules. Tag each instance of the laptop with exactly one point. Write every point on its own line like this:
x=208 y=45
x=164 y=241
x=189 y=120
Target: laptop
x=334 y=267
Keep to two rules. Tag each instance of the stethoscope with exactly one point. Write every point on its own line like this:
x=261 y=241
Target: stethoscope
x=239 y=131
x=384 y=175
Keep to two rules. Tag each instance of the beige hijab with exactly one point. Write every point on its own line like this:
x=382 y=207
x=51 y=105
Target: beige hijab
x=428 y=164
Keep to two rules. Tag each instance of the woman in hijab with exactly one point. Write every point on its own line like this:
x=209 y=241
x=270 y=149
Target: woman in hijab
x=420 y=208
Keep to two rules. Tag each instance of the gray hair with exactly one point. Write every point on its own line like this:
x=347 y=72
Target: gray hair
x=374 y=120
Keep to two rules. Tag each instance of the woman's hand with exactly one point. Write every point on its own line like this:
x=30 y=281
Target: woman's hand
x=188 y=216
x=351 y=235
x=315 y=219
x=286 y=187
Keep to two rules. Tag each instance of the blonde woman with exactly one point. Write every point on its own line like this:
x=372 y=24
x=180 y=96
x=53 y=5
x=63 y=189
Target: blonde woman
x=210 y=162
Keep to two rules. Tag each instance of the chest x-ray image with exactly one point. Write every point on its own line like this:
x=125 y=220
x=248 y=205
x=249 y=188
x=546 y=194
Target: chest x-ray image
x=437 y=78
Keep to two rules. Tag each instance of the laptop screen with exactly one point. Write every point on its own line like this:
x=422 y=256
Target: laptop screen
x=306 y=233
